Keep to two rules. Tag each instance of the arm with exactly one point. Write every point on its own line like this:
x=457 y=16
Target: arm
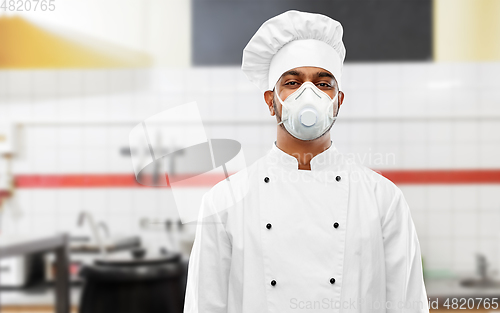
x=404 y=278
x=209 y=264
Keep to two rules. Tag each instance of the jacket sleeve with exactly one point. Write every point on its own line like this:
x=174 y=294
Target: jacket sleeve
x=209 y=263
x=405 y=289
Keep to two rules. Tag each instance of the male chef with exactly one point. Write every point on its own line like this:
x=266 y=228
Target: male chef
x=314 y=232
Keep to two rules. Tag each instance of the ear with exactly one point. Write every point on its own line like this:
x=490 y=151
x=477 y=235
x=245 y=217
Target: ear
x=341 y=98
x=268 y=97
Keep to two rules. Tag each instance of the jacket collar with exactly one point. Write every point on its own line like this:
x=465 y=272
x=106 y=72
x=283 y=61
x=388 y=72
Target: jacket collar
x=322 y=161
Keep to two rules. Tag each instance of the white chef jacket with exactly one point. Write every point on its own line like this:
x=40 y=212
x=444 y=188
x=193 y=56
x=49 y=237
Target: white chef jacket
x=336 y=238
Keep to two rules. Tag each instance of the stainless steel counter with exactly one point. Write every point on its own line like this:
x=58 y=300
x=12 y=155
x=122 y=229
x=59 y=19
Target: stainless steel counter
x=442 y=291
x=450 y=287
x=51 y=243
x=36 y=296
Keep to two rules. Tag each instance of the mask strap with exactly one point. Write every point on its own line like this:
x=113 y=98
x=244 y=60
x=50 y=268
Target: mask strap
x=281 y=101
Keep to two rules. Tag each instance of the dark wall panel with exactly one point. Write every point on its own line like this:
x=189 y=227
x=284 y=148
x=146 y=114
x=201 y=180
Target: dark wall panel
x=374 y=30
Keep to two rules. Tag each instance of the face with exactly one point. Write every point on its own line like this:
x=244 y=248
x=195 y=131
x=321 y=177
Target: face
x=291 y=80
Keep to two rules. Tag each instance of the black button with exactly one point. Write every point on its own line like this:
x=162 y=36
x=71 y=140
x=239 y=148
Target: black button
x=268 y=226
x=335 y=224
x=266 y=179
x=273 y=282
x=337 y=178
x=332 y=280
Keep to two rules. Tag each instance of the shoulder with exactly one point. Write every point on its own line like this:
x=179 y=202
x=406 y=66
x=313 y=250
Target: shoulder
x=235 y=186
x=362 y=174
x=383 y=189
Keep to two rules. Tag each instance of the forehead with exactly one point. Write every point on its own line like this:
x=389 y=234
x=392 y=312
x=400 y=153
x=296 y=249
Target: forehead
x=308 y=72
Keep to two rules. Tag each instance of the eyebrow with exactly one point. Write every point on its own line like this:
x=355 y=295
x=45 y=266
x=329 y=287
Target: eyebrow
x=325 y=74
x=319 y=74
x=297 y=73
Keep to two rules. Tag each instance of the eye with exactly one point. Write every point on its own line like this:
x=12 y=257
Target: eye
x=292 y=83
x=324 y=85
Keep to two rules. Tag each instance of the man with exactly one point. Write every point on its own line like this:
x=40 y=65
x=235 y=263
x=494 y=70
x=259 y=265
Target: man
x=314 y=233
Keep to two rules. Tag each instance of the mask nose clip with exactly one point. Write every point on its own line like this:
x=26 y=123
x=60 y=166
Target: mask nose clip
x=308 y=117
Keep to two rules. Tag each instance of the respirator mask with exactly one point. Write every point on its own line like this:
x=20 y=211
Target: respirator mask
x=308 y=112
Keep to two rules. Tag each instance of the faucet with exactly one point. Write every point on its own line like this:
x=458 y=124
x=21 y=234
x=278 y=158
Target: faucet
x=104 y=227
x=482 y=266
x=84 y=215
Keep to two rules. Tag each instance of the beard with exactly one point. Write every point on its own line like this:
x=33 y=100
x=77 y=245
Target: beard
x=278 y=116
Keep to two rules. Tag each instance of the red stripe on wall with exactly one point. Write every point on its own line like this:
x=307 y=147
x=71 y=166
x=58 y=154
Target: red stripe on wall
x=75 y=181
x=491 y=176
x=104 y=180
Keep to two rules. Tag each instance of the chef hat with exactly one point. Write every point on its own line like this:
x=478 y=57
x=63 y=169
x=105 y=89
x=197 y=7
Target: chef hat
x=293 y=39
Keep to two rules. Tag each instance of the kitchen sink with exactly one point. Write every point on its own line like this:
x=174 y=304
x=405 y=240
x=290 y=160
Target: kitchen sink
x=480 y=283
x=84 y=244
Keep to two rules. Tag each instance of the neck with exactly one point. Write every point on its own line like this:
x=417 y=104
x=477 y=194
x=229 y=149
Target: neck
x=302 y=150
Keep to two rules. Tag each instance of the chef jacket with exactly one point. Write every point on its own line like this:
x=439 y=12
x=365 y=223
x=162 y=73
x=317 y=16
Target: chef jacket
x=336 y=238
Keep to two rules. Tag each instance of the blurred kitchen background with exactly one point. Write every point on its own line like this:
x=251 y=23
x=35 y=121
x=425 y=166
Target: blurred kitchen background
x=422 y=107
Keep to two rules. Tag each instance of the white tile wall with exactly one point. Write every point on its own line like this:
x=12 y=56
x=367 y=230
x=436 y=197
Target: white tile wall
x=381 y=116
x=3 y=84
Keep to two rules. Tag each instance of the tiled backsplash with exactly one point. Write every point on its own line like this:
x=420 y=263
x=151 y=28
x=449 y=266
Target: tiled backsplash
x=409 y=115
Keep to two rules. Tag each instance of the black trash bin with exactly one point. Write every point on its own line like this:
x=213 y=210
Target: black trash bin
x=133 y=286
